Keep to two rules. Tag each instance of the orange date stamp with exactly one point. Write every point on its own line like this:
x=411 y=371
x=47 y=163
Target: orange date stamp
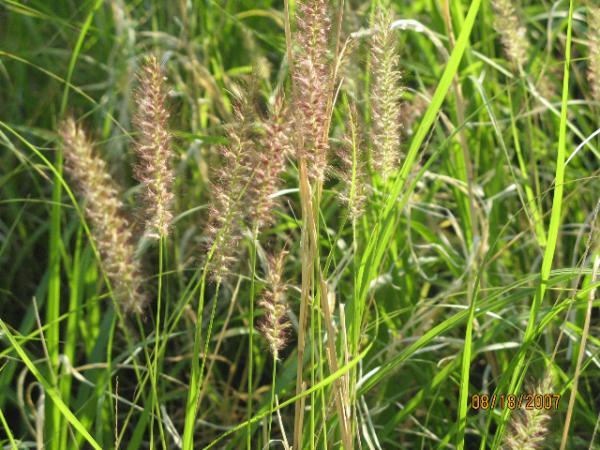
x=514 y=401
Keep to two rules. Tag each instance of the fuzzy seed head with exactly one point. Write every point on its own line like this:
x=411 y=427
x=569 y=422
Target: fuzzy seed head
x=228 y=190
x=153 y=149
x=253 y=160
x=352 y=169
x=103 y=208
x=311 y=76
x=593 y=16
x=275 y=325
x=529 y=427
x=385 y=97
x=267 y=159
x=513 y=34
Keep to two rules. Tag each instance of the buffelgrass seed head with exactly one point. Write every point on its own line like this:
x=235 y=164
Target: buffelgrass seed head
x=593 y=17
x=513 y=34
x=312 y=71
x=385 y=96
x=228 y=192
x=153 y=148
x=267 y=158
x=110 y=229
x=529 y=427
x=243 y=195
x=275 y=325
x=352 y=169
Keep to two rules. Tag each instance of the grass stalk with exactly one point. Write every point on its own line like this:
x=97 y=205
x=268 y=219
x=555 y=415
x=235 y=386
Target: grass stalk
x=253 y=245
x=272 y=401
x=305 y=298
x=157 y=333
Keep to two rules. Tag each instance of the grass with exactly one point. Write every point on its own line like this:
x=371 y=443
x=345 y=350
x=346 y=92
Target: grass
x=468 y=265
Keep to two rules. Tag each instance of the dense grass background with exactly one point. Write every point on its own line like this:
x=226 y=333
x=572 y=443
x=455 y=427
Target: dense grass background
x=471 y=271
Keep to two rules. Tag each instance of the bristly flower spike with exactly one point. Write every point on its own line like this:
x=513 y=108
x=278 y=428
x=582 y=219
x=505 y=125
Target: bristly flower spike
x=312 y=72
x=352 y=171
x=110 y=229
x=275 y=324
x=153 y=148
x=385 y=97
x=513 y=34
x=529 y=427
x=593 y=17
x=268 y=163
x=229 y=190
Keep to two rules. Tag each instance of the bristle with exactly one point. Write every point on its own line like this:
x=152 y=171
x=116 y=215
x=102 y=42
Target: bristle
x=513 y=34
x=385 y=97
x=593 y=17
x=104 y=209
x=312 y=72
x=275 y=324
x=153 y=148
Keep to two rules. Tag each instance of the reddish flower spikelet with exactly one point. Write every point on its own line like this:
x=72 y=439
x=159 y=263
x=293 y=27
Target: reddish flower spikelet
x=153 y=148
x=385 y=97
x=275 y=325
x=225 y=225
x=243 y=193
x=253 y=160
x=268 y=159
x=311 y=75
x=110 y=228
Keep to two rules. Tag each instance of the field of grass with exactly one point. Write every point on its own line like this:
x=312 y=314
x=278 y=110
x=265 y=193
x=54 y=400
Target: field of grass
x=307 y=224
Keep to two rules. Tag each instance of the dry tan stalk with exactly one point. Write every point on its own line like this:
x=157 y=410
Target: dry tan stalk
x=305 y=296
x=594 y=244
x=313 y=100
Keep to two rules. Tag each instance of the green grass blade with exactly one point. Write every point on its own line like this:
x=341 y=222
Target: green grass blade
x=50 y=390
x=552 y=237
x=383 y=230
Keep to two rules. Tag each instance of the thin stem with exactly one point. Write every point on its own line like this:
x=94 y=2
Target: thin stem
x=208 y=334
x=161 y=245
x=251 y=334
x=193 y=394
x=272 y=404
